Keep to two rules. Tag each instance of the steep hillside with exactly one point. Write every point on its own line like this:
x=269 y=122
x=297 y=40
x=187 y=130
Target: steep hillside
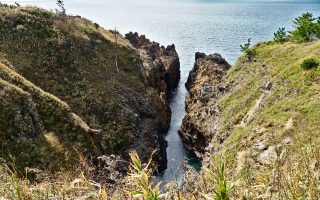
x=262 y=118
x=38 y=129
x=96 y=102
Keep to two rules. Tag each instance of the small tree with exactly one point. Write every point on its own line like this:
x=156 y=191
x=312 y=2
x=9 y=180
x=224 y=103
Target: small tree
x=60 y=4
x=281 y=35
x=305 y=28
x=245 y=48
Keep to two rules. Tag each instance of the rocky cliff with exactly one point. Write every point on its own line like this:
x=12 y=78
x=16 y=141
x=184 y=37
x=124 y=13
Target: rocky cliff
x=63 y=95
x=161 y=64
x=260 y=117
x=205 y=87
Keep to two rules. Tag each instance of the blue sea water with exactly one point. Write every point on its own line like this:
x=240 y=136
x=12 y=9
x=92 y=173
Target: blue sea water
x=192 y=25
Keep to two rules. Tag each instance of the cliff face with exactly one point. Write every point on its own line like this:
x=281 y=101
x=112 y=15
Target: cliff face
x=161 y=70
x=260 y=117
x=161 y=65
x=109 y=109
x=205 y=87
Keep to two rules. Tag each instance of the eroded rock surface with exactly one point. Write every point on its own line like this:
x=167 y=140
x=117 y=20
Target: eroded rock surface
x=205 y=86
x=161 y=64
x=161 y=70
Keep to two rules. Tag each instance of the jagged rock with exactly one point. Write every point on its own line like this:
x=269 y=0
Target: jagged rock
x=199 y=55
x=161 y=65
x=161 y=69
x=136 y=40
x=28 y=122
x=205 y=87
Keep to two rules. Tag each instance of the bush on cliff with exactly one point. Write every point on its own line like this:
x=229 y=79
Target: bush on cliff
x=60 y=4
x=247 y=50
x=309 y=63
x=281 y=35
x=306 y=28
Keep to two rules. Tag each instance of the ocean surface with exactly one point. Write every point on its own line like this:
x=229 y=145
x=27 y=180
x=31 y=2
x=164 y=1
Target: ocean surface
x=207 y=26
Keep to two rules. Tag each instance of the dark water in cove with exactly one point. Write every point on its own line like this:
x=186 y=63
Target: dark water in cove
x=205 y=25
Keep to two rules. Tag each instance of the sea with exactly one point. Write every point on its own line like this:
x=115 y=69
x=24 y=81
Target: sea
x=208 y=26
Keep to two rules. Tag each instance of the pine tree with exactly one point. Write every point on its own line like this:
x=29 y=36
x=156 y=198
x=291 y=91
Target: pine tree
x=305 y=28
x=60 y=4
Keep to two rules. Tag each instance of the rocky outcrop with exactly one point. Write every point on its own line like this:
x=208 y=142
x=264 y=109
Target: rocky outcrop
x=161 y=65
x=205 y=86
x=161 y=70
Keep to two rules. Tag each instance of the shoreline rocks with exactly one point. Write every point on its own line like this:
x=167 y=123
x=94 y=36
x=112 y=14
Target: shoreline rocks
x=161 y=64
x=161 y=70
x=205 y=86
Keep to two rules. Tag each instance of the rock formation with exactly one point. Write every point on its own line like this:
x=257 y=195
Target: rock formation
x=161 y=65
x=161 y=69
x=205 y=87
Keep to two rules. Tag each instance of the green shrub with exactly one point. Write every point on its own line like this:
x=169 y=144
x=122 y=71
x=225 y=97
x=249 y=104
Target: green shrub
x=245 y=48
x=306 y=27
x=96 y=25
x=281 y=35
x=309 y=63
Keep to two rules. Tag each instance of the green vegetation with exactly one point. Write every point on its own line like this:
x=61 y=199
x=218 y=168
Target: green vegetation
x=281 y=35
x=221 y=189
x=309 y=63
x=38 y=130
x=306 y=28
x=84 y=108
x=96 y=25
x=284 y=118
x=245 y=48
x=139 y=178
x=77 y=62
x=140 y=185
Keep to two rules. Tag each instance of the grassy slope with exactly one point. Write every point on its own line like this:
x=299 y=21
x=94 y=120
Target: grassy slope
x=37 y=129
x=290 y=110
x=51 y=67
x=74 y=60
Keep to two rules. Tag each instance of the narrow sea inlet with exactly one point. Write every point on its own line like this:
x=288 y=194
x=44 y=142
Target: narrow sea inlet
x=193 y=26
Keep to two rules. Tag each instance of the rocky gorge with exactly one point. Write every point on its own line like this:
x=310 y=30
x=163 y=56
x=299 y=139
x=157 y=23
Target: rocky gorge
x=84 y=112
